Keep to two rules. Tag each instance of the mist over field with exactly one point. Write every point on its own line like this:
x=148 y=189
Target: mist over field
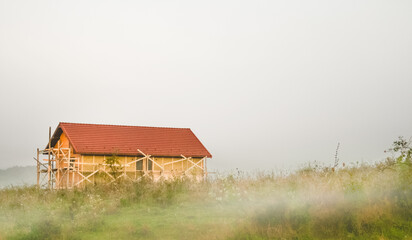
x=345 y=202
x=18 y=176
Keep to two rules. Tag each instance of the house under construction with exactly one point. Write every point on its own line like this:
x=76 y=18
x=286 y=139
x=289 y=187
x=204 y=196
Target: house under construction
x=77 y=154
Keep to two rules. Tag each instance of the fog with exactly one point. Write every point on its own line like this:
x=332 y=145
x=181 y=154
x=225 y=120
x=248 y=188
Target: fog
x=263 y=84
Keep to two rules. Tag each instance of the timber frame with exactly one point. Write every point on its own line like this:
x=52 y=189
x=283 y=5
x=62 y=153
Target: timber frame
x=62 y=169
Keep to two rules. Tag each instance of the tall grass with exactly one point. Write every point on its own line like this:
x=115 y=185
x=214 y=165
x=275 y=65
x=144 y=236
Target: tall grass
x=352 y=202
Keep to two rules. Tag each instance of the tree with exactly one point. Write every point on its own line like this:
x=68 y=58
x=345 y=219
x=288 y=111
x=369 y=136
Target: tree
x=114 y=164
x=404 y=148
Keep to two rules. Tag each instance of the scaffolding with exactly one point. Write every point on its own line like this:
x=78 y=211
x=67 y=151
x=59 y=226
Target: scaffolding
x=62 y=169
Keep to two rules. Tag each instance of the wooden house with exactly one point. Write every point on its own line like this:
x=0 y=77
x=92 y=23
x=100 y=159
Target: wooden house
x=77 y=154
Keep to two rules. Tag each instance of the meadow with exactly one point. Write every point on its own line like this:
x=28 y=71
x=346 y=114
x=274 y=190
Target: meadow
x=316 y=202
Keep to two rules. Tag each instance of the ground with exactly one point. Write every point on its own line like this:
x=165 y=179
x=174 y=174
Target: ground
x=355 y=202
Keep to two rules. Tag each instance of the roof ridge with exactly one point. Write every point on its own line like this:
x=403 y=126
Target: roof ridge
x=119 y=125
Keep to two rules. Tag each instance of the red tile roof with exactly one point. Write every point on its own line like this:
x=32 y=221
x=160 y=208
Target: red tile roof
x=125 y=140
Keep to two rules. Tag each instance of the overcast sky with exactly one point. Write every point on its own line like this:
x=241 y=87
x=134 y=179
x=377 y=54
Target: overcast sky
x=263 y=84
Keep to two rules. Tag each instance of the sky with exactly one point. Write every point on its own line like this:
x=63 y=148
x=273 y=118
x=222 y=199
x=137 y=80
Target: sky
x=265 y=85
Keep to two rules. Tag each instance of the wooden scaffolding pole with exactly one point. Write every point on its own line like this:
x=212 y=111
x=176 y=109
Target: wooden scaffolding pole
x=124 y=167
x=72 y=166
x=205 y=169
x=38 y=169
x=49 y=162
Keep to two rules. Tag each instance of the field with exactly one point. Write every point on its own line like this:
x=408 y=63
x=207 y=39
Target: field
x=347 y=202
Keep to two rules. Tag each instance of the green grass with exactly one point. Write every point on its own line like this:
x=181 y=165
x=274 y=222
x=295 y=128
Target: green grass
x=361 y=202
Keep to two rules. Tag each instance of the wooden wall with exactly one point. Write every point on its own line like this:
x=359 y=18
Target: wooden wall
x=179 y=166
x=91 y=163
